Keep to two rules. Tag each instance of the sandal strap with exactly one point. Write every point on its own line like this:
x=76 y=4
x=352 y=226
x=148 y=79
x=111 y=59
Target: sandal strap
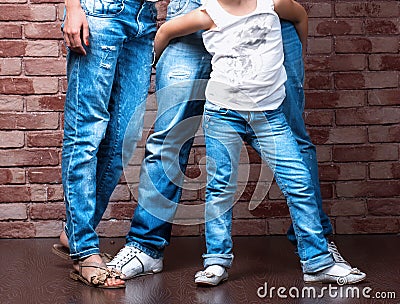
x=102 y=272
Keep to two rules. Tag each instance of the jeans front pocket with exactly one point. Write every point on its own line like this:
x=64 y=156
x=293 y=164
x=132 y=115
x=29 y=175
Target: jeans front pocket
x=103 y=8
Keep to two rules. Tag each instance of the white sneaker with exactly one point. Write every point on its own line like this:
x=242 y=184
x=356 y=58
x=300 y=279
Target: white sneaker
x=133 y=262
x=335 y=274
x=212 y=275
x=337 y=256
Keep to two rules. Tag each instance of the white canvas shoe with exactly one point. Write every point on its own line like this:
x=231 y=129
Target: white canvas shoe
x=133 y=262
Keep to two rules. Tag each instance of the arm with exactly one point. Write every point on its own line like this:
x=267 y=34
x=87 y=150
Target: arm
x=294 y=12
x=187 y=24
x=75 y=27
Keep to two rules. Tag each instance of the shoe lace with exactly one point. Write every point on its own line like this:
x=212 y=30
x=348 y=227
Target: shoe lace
x=336 y=255
x=124 y=255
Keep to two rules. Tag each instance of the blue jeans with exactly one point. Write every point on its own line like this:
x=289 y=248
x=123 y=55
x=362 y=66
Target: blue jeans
x=269 y=134
x=186 y=59
x=293 y=108
x=105 y=100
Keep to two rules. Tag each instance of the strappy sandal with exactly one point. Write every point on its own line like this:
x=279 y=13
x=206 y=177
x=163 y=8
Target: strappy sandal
x=98 y=278
x=63 y=252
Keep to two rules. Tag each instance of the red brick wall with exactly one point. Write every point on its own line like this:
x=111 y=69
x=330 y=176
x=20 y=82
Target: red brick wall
x=353 y=115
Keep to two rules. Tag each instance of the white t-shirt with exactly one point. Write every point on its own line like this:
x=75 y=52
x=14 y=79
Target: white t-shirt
x=247 y=63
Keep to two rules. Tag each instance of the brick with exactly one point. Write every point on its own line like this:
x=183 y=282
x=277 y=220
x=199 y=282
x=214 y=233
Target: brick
x=43 y=67
x=355 y=62
x=45 y=48
x=265 y=209
x=367 y=225
x=13 y=212
x=16 y=229
x=318 y=81
x=384 y=27
x=318 y=9
x=186 y=230
x=384 y=63
x=334 y=99
x=366 y=44
x=14 y=194
x=278 y=226
x=36 y=157
x=28 y=13
x=319 y=117
x=121 y=193
x=249 y=227
x=345 y=171
x=368 y=116
x=16 y=86
x=383 y=206
x=47 y=228
x=12 y=176
x=44 y=175
x=371 y=9
x=12 y=48
x=34 y=121
x=43 y=30
x=45 y=85
x=326 y=190
x=46 y=193
x=119 y=211
x=45 y=103
x=338 y=135
x=324 y=153
x=44 y=139
x=365 y=153
x=346 y=207
x=373 y=188
x=10 y=67
x=384 y=170
x=11 y=103
x=319 y=45
x=12 y=139
x=366 y=80
x=10 y=31
x=384 y=97
x=113 y=228
x=327 y=27
x=46 y=1
x=13 y=1
x=384 y=133
x=54 y=193
x=47 y=211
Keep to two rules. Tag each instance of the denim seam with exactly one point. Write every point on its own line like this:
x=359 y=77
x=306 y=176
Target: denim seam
x=72 y=235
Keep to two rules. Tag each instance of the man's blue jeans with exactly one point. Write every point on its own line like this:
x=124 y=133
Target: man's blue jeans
x=105 y=102
x=184 y=61
x=269 y=134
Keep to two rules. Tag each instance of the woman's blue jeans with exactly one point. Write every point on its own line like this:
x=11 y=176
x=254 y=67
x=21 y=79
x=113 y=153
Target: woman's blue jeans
x=105 y=102
x=181 y=66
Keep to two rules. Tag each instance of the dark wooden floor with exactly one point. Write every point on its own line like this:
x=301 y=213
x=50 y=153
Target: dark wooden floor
x=30 y=273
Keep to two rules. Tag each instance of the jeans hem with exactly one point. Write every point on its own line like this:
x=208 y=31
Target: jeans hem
x=84 y=254
x=224 y=260
x=317 y=264
x=150 y=252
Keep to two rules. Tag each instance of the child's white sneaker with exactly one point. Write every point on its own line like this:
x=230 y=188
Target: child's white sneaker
x=335 y=274
x=212 y=275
